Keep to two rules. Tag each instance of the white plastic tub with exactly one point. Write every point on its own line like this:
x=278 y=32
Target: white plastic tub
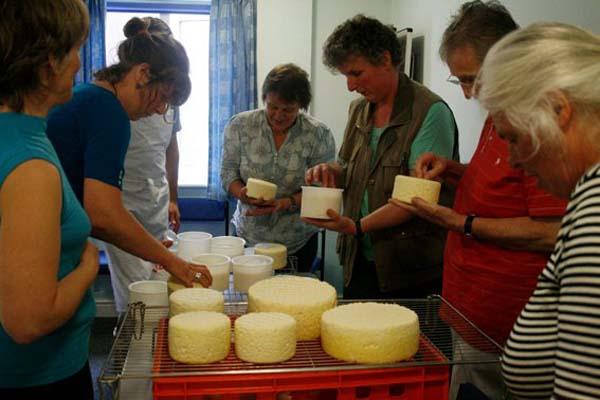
x=218 y=265
x=317 y=200
x=191 y=244
x=249 y=269
x=151 y=293
x=230 y=246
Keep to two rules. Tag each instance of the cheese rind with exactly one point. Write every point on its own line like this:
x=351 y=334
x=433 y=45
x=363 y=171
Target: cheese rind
x=265 y=337
x=370 y=333
x=257 y=188
x=303 y=298
x=199 y=337
x=274 y=250
x=195 y=299
x=407 y=187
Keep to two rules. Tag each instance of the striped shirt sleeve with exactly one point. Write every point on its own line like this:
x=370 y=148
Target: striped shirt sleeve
x=554 y=348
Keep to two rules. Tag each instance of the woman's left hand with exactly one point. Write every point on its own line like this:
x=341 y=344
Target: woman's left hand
x=266 y=207
x=338 y=223
x=439 y=215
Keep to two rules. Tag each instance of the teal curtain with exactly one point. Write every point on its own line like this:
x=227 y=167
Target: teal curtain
x=232 y=75
x=93 y=52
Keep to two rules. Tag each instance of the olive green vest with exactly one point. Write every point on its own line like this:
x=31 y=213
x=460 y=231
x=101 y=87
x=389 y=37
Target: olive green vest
x=411 y=253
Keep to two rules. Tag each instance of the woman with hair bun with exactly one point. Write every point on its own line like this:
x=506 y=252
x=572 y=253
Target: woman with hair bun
x=46 y=263
x=91 y=134
x=149 y=189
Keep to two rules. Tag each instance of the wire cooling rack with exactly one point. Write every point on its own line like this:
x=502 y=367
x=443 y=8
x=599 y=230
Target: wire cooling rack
x=140 y=349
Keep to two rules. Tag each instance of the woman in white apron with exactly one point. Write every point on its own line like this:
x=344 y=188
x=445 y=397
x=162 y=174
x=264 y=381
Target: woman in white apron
x=151 y=159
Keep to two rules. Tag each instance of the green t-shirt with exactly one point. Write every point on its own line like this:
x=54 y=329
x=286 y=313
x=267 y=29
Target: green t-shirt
x=436 y=135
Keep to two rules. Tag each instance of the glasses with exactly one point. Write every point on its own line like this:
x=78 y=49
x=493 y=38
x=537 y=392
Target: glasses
x=466 y=81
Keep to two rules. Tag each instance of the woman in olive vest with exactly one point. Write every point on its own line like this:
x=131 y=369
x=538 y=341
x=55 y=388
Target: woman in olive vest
x=385 y=251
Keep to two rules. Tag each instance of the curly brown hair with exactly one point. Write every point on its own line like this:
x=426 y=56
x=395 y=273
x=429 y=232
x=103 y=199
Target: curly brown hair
x=290 y=82
x=31 y=33
x=363 y=37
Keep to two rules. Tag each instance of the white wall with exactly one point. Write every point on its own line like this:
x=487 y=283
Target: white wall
x=295 y=30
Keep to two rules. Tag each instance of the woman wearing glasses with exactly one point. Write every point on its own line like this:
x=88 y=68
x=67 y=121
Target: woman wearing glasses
x=91 y=134
x=149 y=189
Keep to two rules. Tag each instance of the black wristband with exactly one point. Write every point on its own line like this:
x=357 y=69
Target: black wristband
x=359 y=232
x=468 y=227
x=293 y=203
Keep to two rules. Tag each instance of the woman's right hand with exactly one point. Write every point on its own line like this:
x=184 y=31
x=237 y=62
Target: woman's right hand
x=430 y=166
x=323 y=173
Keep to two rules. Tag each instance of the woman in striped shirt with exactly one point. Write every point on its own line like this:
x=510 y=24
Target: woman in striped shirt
x=540 y=85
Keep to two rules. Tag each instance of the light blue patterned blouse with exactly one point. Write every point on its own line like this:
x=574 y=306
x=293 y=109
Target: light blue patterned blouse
x=249 y=152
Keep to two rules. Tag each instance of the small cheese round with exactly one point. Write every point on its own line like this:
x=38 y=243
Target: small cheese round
x=199 y=337
x=265 y=337
x=407 y=187
x=195 y=299
x=370 y=333
x=274 y=250
x=257 y=188
x=303 y=298
x=174 y=284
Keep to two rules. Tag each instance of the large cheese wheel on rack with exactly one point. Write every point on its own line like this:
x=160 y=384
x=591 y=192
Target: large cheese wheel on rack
x=195 y=299
x=303 y=298
x=265 y=337
x=370 y=333
x=199 y=337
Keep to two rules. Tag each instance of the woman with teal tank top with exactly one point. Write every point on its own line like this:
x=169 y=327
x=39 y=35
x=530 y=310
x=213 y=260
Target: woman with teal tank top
x=46 y=263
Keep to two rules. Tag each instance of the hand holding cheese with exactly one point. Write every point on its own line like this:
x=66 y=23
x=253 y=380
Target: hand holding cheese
x=259 y=189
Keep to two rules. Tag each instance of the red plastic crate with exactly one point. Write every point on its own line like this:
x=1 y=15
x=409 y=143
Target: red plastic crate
x=346 y=381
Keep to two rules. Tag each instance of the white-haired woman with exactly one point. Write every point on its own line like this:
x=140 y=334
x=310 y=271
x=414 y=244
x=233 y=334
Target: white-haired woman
x=551 y=120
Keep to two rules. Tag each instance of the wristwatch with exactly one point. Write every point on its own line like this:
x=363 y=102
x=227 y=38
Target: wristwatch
x=468 y=227
x=293 y=203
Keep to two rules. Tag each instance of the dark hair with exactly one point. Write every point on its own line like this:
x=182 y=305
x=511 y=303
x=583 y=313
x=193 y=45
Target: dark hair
x=153 y=25
x=166 y=57
x=479 y=25
x=31 y=32
x=361 y=36
x=290 y=82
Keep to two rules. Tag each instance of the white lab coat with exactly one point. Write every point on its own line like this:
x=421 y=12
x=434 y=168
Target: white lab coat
x=145 y=194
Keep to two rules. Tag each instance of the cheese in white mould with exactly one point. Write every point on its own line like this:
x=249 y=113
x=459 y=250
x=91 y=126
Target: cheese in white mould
x=274 y=250
x=407 y=187
x=257 y=188
x=195 y=299
x=199 y=337
x=370 y=333
x=305 y=299
x=265 y=337
x=174 y=284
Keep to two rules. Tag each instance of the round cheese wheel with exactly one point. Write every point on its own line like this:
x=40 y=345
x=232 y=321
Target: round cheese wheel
x=195 y=299
x=274 y=250
x=303 y=298
x=370 y=333
x=199 y=337
x=265 y=337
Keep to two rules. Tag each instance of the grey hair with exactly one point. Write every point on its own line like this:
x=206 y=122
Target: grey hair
x=522 y=74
